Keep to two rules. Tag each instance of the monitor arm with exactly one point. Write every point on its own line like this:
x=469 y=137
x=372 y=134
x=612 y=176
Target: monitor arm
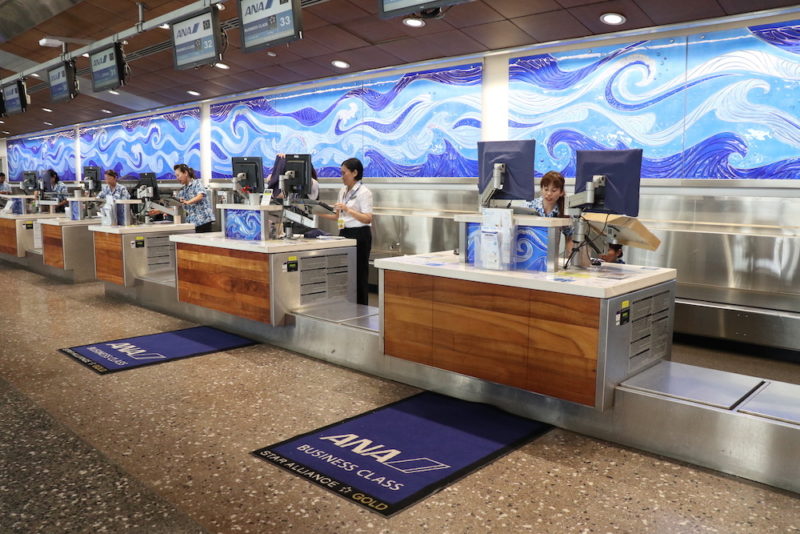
x=576 y=205
x=494 y=185
x=237 y=185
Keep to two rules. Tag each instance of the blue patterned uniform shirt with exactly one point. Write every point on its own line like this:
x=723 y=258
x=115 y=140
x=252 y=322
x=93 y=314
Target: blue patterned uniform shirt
x=5 y=187
x=60 y=191
x=202 y=212
x=120 y=192
x=538 y=205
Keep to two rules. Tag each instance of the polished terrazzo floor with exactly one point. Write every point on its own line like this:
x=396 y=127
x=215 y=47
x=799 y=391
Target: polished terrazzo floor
x=167 y=448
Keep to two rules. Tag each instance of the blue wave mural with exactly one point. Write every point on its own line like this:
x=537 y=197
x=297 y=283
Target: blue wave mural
x=717 y=105
x=145 y=144
x=243 y=224
x=42 y=152
x=423 y=123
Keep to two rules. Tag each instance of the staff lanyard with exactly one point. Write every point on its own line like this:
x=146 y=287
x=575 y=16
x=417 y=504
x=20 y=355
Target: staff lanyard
x=350 y=195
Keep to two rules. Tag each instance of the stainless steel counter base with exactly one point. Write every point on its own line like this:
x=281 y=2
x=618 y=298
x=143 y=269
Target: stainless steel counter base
x=759 y=444
x=745 y=324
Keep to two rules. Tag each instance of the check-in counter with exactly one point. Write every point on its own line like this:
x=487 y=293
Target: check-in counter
x=20 y=233
x=573 y=335
x=124 y=253
x=263 y=280
x=68 y=245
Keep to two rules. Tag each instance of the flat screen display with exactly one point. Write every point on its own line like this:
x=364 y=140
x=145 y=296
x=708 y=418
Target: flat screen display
x=62 y=82
x=622 y=169
x=195 y=40
x=395 y=8
x=267 y=23
x=106 y=68
x=518 y=157
x=14 y=97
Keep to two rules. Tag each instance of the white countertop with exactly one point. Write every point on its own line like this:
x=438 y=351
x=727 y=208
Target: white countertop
x=64 y=221
x=258 y=207
x=519 y=220
x=31 y=216
x=273 y=246
x=85 y=199
x=608 y=280
x=143 y=228
x=6 y=195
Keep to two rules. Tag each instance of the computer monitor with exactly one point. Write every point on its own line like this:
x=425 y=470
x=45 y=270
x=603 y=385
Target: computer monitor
x=30 y=181
x=298 y=183
x=148 y=179
x=518 y=157
x=93 y=174
x=622 y=169
x=253 y=168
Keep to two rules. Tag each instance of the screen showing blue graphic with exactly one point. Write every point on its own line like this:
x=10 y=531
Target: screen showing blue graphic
x=196 y=40
x=300 y=182
x=267 y=23
x=253 y=169
x=62 y=81
x=15 y=97
x=518 y=157
x=394 y=8
x=622 y=169
x=108 y=68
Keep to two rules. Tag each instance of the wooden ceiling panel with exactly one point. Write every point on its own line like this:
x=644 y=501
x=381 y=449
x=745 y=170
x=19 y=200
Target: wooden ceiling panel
x=337 y=12
x=515 y=8
x=335 y=38
x=589 y=16
x=472 y=14
x=343 y=29
x=733 y=7
x=499 y=35
x=552 y=26
x=662 y=13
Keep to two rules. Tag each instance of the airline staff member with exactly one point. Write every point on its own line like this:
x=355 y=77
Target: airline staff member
x=112 y=188
x=194 y=198
x=58 y=189
x=4 y=187
x=354 y=208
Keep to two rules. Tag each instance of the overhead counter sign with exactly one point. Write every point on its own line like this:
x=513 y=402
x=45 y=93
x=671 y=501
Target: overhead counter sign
x=196 y=40
x=267 y=23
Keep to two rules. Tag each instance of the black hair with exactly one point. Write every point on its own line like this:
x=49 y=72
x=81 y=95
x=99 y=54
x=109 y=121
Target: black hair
x=616 y=247
x=355 y=165
x=52 y=174
x=112 y=173
x=555 y=179
x=184 y=168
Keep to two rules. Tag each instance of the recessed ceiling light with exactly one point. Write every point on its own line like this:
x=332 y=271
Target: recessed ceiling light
x=414 y=22
x=48 y=123
x=193 y=93
x=113 y=92
x=164 y=26
x=106 y=111
x=47 y=110
x=7 y=133
x=85 y=54
x=222 y=66
x=612 y=19
x=36 y=75
x=2 y=122
x=340 y=64
x=272 y=54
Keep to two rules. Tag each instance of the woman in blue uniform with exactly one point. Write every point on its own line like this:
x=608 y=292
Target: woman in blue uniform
x=194 y=198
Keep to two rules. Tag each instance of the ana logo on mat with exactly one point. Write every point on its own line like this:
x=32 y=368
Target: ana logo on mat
x=384 y=454
x=135 y=352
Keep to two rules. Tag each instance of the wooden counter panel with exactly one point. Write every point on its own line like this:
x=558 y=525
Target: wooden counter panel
x=481 y=330
x=230 y=281
x=8 y=236
x=563 y=346
x=53 y=245
x=407 y=316
x=108 y=258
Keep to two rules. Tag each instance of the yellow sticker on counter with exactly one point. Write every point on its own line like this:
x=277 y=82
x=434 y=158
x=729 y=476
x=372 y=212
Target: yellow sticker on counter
x=292 y=258
x=625 y=304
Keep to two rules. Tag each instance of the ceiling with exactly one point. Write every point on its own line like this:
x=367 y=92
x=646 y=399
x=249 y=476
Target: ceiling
x=333 y=29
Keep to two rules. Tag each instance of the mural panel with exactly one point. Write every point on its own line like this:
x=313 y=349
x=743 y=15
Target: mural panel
x=42 y=152
x=145 y=144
